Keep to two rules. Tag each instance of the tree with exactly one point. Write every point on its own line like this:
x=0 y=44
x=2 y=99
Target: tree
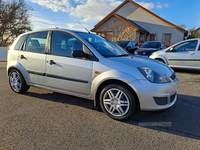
x=193 y=34
x=14 y=19
x=182 y=25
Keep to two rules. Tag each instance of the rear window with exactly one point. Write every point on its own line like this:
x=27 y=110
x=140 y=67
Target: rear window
x=20 y=42
x=36 y=42
x=122 y=44
x=151 y=45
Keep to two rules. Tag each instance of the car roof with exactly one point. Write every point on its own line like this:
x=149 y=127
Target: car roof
x=154 y=41
x=55 y=29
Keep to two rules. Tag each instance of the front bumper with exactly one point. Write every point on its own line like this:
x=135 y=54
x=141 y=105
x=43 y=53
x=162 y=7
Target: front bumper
x=149 y=94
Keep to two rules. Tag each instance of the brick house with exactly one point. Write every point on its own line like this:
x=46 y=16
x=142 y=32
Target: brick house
x=132 y=22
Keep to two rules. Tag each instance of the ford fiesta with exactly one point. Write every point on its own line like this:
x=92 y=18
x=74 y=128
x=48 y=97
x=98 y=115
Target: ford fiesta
x=89 y=66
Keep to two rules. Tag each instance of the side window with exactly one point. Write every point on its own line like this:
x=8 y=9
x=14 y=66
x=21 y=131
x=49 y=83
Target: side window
x=133 y=43
x=20 y=42
x=63 y=44
x=129 y=44
x=36 y=42
x=186 y=46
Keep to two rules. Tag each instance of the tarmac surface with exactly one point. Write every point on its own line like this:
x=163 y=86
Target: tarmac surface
x=42 y=119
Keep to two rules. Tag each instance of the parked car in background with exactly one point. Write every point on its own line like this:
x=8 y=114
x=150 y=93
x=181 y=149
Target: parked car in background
x=89 y=66
x=148 y=48
x=130 y=46
x=185 y=54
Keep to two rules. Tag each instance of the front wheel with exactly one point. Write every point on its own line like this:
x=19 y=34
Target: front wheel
x=117 y=102
x=17 y=82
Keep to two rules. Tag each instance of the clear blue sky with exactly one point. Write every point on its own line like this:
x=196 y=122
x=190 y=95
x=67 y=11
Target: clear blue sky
x=65 y=13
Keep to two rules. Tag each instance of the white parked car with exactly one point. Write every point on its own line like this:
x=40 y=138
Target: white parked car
x=88 y=66
x=185 y=54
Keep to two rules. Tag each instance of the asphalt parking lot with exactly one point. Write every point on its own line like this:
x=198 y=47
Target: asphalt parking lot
x=41 y=119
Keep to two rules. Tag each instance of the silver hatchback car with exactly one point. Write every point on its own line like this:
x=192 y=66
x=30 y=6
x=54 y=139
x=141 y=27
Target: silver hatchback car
x=185 y=54
x=89 y=66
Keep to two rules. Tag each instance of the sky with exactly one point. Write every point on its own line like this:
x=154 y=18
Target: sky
x=66 y=13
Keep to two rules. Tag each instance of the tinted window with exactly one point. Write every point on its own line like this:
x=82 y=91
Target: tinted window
x=122 y=44
x=151 y=45
x=20 y=42
x=199 y=47
x=63 y=44
x=129 y=44
x=186 y=46
x=36 y=42
x=103 y=46
x=136 y=43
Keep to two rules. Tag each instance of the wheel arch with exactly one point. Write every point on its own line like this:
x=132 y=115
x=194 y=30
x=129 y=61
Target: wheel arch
x=20 y=68
x=114 y=81
x=162 y=59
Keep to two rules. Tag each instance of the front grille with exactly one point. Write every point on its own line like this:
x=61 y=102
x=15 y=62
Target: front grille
x=161 y=100
x=172 y=97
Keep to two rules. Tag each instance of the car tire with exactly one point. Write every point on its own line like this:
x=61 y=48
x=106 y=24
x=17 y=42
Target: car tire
x=117 y=101
x=17 y=82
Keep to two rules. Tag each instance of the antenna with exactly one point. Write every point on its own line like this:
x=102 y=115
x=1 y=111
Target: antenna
x=84 y=27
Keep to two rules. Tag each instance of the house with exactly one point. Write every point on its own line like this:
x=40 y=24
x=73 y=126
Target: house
x=198 y=30
x=132 y=22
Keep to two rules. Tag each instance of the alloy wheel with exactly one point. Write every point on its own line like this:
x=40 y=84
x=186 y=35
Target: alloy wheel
x=15 y=81
x=116 y=102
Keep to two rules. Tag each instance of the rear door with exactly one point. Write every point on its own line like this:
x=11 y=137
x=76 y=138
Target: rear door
x=183 y=55
x=33 y=58
x=63 y=70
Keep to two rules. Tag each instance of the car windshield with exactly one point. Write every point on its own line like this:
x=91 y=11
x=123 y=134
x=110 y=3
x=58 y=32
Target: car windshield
x=122 y=44
x=104 y=46
x=151 y=45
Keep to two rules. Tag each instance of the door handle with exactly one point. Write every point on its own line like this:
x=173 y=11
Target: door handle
x=22 y=57
x=51 y=62
x=192 y=53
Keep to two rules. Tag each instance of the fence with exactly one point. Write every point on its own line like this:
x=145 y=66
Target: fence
x=3 y=53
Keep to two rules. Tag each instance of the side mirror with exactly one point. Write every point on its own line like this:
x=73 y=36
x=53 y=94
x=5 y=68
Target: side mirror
x=79 y=53
x=171 y=49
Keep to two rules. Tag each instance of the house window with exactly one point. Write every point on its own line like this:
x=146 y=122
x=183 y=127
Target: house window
x=141 y=38
x=166 y=38
x=153 y=37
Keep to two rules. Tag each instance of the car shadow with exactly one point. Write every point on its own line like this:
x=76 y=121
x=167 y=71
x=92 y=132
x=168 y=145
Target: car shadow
x=187 y=71
x=182 y=119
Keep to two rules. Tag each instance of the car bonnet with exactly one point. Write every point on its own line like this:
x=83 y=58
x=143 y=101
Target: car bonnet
x=138 y=61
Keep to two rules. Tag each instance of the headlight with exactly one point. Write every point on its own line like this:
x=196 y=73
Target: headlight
x=154 y=76
x=135 y=52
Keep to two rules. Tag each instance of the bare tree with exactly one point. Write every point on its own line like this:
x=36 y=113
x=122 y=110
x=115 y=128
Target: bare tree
x=193 y=34
x=182 y=25
x=14 y=19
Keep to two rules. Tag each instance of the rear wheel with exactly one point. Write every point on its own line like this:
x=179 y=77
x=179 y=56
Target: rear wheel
x=17 y=82
x=117 y=102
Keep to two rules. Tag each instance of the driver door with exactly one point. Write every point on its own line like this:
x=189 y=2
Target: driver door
x=183 y=54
